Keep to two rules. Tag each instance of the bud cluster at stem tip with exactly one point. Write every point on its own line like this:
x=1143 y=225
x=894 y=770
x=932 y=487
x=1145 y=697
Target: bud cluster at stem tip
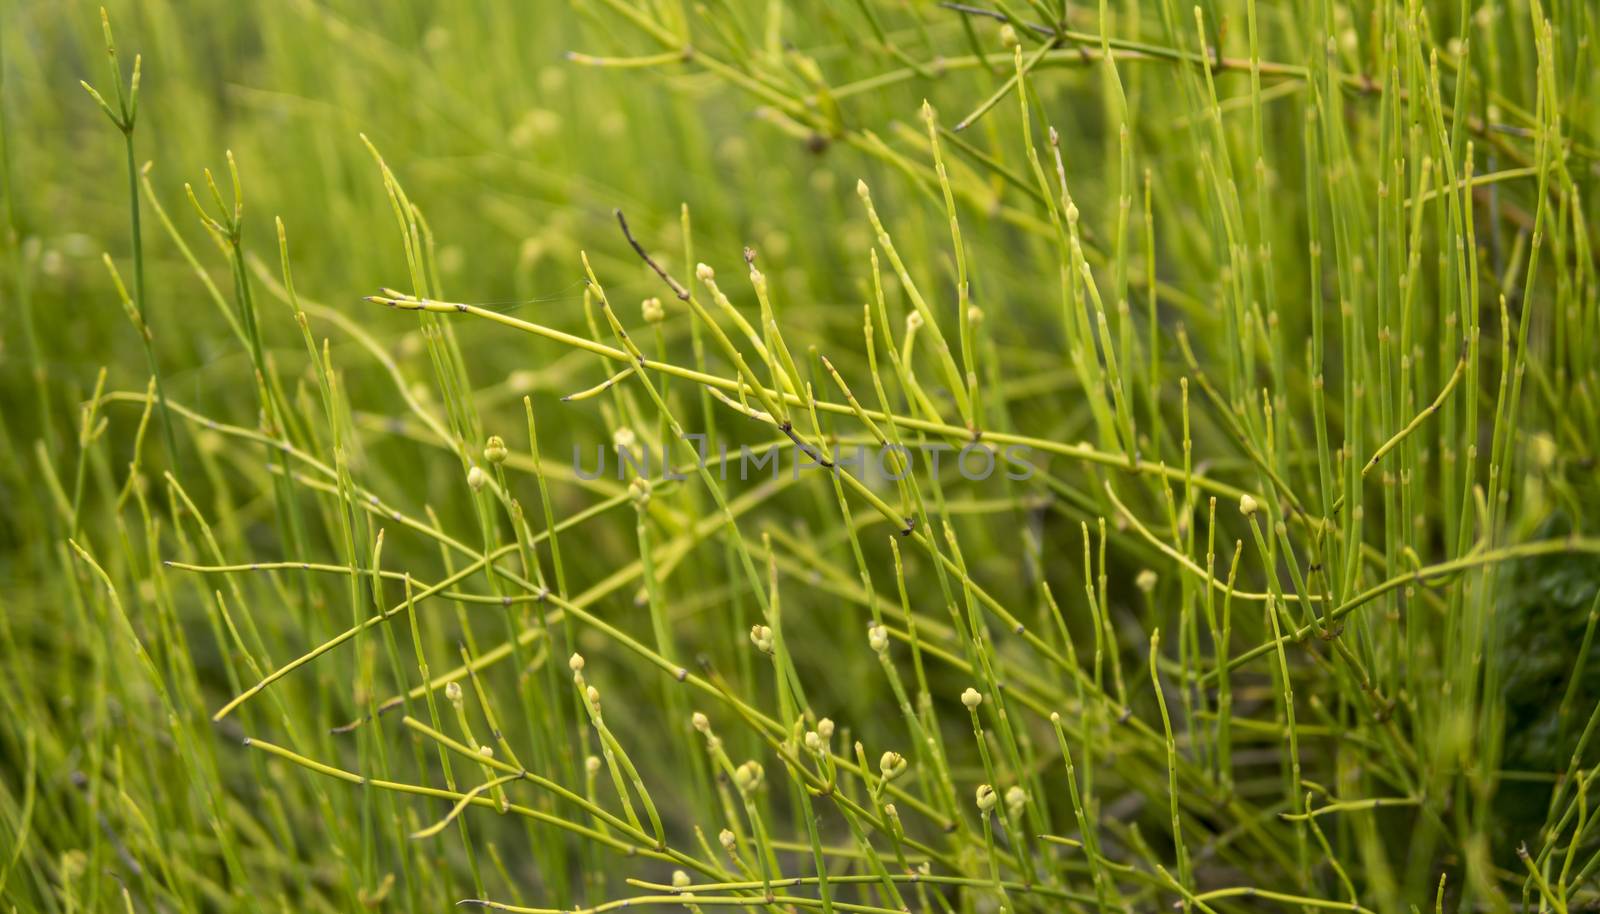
x=494 y=451
x=986 y=798
x=653 y=312
x=891 y=765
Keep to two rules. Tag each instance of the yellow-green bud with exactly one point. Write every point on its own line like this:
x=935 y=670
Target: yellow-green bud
x=986 y=798
x=477 y=478
x=747 y=777
x=971 y=698
x=1247 y=504
x=73 y=863
x=1146 y=581
x=1545 y=451
x=1016 y=797
x=761 y=637
x=653 y=312
x=891 y=765
x=639 y=490
x=495 y=450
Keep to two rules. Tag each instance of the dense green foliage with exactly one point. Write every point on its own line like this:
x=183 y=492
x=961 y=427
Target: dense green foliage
x=1277 y=324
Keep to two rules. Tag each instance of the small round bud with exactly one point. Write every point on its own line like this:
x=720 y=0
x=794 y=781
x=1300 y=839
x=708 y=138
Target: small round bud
x=624 y=439
x=890 y=811
x=486 y=751
x=477 y=478
x=891 y=765
x=704 y=272
x=972 y=698
x=814 y=741
x=1008 y=37
x=1146 y=581
x=639 y=490
x=575 y=663
x=653 y=312
x=727 y=839
x=825 y=728
x=701 y=722
x=985 y=797
x=1016 y=798
x=761 y=637
x=1545 y=451
x=913 y=321
x=861 y=189
x=747 y=777
x=495 y=451
x=593 y=694
x=592 y=764
x=680 y=879
x=73 y=863
x=878 y=638
x=974 y=315
x=1247 y=504
x=452 y=691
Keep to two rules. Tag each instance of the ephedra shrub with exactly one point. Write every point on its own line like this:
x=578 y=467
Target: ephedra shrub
x=980 y=457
